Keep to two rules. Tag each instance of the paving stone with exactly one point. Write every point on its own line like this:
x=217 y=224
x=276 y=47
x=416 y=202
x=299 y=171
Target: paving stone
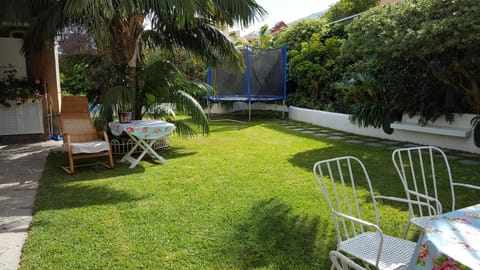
x=321 y=134
x=468 y=155
x=298 y=129
x=408 y=145
x=355 y=141
x=389 y=142
x=469 y=162
x=374 y=144
x=336 y=137
x=308 y=131
x=452 y=157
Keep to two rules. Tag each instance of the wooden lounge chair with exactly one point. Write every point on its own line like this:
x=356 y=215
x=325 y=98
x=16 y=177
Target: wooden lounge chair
x=79 y=134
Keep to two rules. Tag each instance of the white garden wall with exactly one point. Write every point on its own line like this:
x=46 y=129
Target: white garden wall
x=242 y=106
x=342 y=122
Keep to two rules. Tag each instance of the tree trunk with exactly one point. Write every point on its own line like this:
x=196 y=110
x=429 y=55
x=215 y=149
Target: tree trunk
x=125 y=41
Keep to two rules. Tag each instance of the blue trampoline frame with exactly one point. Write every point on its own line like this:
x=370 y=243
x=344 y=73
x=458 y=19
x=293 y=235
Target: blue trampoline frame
x=249 y=97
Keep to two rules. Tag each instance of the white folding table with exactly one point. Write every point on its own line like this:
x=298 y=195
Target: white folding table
x=144 y=133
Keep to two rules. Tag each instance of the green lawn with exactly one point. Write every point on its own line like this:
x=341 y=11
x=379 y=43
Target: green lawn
x=243 y=197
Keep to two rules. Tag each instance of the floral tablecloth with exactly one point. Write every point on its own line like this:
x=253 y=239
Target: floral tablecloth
x=145 y=129
x=450 y=241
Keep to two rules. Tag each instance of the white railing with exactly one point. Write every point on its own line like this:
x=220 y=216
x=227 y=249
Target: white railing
x=121 y=147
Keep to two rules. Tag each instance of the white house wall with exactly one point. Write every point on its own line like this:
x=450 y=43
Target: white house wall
x=11 y=57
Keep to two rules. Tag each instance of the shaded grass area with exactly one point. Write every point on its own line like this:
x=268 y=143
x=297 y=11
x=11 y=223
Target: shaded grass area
x=242 y=198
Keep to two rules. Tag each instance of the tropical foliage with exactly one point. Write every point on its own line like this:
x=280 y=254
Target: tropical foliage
x=118 y=27
x=314 y=64
x=315 y=67
x=417 y=56
x=345 y=8
x=423 y=53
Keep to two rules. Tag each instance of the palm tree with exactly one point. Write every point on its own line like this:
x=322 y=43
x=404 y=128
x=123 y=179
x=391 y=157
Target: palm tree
x=265 y=37
x=119 y=28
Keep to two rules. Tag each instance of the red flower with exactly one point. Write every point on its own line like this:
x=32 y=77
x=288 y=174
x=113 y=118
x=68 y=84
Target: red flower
x=448 y=264
x=423 y=252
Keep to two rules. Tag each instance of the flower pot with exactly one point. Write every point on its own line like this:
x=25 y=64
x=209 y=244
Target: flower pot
x=125 y=117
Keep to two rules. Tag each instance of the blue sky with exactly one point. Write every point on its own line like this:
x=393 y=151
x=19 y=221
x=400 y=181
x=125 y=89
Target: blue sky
x=288 y=11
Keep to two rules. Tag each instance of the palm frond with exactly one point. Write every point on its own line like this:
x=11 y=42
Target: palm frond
x=183 y=129
x=189 y=105
x=241 y=12
x=46 y=26
x=201 y=37
x=160 y=111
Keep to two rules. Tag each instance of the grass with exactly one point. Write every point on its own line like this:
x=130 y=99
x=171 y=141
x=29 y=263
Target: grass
x=243 y=197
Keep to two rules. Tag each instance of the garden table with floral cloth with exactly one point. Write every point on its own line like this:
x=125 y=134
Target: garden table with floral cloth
x=450 y=241
x=144 y=133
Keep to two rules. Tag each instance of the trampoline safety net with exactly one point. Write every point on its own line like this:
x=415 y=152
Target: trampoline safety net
x=263 y=79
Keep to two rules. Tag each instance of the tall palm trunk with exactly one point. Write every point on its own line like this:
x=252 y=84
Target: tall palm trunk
x=125 y=40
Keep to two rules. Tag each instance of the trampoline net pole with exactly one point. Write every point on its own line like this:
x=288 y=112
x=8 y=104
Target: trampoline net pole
x=249 y=110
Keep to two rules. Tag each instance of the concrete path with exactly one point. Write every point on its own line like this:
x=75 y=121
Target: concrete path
x=318 y=131
x=21 y=167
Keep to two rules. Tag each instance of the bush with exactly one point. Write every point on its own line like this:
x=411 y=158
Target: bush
x=422 y=53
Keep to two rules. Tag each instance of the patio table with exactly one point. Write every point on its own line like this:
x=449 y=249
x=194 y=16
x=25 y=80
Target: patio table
x=450 y=241
x=144 y=133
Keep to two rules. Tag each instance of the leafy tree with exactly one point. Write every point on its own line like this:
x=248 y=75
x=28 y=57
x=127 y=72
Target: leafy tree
x=423 y=53
x=315 y=67
x=345 y=8
x=299 y=32
x=76 y=40
x=76 y=82
x=265 y=37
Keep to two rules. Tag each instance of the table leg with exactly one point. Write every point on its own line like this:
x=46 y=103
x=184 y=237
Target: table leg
x=128 y=155
x=153 y=154
x=147 y=148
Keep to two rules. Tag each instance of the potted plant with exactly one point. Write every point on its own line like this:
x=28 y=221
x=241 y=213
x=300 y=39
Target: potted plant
x=119 y=101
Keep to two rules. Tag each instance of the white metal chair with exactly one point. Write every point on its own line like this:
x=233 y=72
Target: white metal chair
x=424 y=170
x=342 y=262
x=347 y=188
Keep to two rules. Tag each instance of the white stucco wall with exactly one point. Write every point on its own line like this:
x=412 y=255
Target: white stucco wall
x=342 y=122
x=216 y=108
x=11 y=57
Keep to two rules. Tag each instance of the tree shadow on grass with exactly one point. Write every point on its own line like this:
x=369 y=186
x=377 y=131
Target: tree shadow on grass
x=60 y=158
x=273 y=236
x=66 y=196
x=87 y=186
x=56 y=159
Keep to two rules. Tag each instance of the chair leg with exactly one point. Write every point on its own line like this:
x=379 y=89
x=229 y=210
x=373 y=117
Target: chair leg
x=70 y=160
x=406 y=230
x=110 y=159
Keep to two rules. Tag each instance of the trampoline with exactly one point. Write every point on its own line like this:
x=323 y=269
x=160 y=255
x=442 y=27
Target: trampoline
x=264 y=79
